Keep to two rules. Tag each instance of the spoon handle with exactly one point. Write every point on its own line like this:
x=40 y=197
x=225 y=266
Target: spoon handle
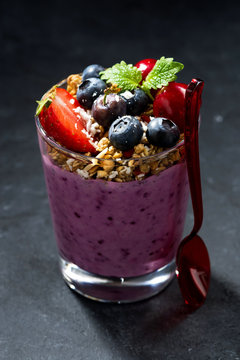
x=193 y=104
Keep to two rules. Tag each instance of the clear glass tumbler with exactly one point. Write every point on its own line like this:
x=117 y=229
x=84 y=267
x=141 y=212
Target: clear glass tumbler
x=117 y=238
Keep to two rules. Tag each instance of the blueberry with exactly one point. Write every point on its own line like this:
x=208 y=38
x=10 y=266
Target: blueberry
x=125 y=132
x=92 y=71
x=162 y=132
x=106 y=108
x=89 y=90
x=136 y=101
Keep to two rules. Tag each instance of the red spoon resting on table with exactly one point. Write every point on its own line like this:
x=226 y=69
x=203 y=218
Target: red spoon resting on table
x=193 y=264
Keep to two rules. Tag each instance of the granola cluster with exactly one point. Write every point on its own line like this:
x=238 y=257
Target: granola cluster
x=112 y=164
x=73 y=81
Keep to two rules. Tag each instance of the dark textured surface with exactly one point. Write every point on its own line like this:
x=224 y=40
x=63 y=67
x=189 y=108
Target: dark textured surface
x=40 y=318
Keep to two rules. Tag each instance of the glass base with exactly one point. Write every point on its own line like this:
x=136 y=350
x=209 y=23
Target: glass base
x=113 y=289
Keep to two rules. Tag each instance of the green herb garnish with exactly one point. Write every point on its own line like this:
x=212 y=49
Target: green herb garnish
x=129 y=77
x=163 y=72
x=125 y=76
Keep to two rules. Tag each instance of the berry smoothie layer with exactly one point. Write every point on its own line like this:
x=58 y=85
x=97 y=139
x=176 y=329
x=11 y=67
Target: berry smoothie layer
x=112 y=148
x=118 y=229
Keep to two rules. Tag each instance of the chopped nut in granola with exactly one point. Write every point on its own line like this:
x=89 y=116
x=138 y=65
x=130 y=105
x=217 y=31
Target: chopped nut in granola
x=103 y=144
x=73 y=81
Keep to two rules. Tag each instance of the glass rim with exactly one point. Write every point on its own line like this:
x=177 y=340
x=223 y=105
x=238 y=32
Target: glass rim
x=79 y=156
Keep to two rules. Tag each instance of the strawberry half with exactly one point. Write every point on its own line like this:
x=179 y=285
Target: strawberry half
x=62 y=121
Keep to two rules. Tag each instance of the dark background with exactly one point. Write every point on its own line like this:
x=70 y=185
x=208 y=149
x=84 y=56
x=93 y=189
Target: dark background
x=41 y=43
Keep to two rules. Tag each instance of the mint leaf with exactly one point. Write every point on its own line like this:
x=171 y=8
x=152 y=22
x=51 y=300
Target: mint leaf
x=125 y=76
x=163 y=72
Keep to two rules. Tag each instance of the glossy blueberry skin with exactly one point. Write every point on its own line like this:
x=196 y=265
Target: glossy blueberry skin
x=125 y=132
x=92 y=71
x=89 y=90
x=137 y=103
x=162 y=132
x=106 y=108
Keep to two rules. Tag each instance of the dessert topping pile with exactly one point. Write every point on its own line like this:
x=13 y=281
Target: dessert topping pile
x=112 y=113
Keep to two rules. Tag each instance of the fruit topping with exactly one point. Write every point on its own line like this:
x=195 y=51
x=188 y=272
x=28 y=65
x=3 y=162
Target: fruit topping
x=117 y=104
x=62 y=121
x=89 y=90
x=170 y=103
x=162 y=132
x=106 y=108
x=145 y=118
x=129 y=153
x=125 y=132
x=145 y=66
x=92 y=71
x=136 y=101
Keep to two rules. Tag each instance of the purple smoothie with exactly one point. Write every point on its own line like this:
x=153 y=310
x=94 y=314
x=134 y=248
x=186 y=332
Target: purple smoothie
x=117 y=229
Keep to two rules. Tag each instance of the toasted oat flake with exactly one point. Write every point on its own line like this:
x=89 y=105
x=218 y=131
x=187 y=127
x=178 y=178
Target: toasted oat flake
x=140 y=176
x=113 y=174
x=83 y=173
x=107 y=165
x=90 y=166
x=101 y=174
x=69 y=162
x=102 y=153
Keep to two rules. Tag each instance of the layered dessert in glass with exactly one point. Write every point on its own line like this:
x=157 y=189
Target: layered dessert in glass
x=112 y=148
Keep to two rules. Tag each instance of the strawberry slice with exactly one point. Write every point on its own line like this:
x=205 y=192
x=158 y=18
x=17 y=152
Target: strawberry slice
x=63 y=121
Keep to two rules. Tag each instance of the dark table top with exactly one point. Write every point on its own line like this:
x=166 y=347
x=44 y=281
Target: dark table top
x=40 y=317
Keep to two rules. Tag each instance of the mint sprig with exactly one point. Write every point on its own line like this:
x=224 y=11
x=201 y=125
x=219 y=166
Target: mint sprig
x=163 y=72
x=129 y=77
x=125 y=76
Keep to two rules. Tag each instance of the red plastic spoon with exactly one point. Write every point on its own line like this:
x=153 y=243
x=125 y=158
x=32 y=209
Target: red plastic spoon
x=193 y=264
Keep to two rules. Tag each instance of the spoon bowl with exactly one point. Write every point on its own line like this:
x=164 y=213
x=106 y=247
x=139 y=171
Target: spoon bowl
x=193 y=270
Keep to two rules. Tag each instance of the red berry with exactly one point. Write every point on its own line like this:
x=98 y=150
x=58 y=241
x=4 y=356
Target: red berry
x=145 y=66
x=170 y=103
x=145 y=118
x=127 y=154
x=65 y=125
x=137 y=171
